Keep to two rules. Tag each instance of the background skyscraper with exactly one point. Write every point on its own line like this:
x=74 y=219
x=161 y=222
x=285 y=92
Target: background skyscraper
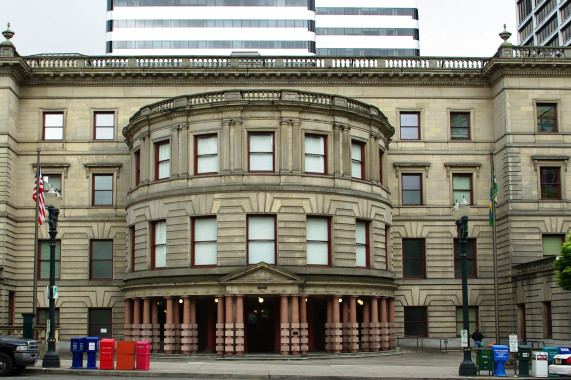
x=544 y=22
x=267 y=27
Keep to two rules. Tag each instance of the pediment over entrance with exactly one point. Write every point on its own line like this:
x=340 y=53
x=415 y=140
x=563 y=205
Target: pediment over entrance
x=260 y=274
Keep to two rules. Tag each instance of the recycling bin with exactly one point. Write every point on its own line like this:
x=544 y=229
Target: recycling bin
x=126 y=355
x=484 y=360
x=524 y=358
x=107 y=354
x=143 y=355
x=77 y=349
x=551 y=352
x=501 y=356
x=539 y=365
x=91 y=347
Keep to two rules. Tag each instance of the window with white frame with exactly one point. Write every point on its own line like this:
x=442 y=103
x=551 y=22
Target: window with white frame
x=159 y=247
x=260 y=152
x=204 y=237
x=315 y=154
x=206 y=155
x=261 y=239
x=317 y=240
x=362 y=244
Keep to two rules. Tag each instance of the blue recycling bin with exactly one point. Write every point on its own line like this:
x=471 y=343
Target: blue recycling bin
x=77 y=349
x=501 y=356
x=91 y=347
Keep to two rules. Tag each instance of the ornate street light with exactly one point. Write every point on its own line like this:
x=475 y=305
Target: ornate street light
x=53 y=201
x=460 y=212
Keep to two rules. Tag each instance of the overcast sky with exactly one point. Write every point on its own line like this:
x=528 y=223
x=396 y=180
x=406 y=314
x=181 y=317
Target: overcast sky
x=454 y=28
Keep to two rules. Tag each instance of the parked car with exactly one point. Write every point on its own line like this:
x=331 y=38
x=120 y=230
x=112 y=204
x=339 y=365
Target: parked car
x=16 y=354
x=561 y=365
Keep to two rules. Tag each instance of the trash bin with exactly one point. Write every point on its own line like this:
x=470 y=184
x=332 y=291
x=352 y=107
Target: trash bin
x=551 y=352
x=77 y=349
x=501 y=356
x=524 y=357
x=107 y=354
x=484 y=360
x=143 y=355
x=91 y=347
x=539 y=364
x=126 y=356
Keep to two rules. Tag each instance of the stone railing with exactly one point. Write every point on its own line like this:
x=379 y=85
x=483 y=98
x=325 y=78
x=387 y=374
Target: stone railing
x=211 y=98
x=549 y=52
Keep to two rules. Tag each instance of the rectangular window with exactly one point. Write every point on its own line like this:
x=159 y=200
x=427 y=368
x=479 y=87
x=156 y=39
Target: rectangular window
x=43 y=314
x=317 y=239
x=547 y=320
x=470 y=258
x=521 y=321
x=11 y=306
x=410 y=126
x=412 y=189
x=162 y=160
x=546 y=117
x=472 y=317
x=552 y=244
x=159 y=245
x=52 y=180
x=44 y=259
x=104 y=125
x=132 y=235
x=362 y=244
x=101 y=322
x=261 y=152
x=381 y=154
x=413 y=258
x=261 y=239
x=550 y=182
x=53 y=126
x=101 y=260
x=204 y=241
x=357 y=160
x=102 y=190
x=206 y=159
x=462 y=188
x=460 y=125
x=137 y=168
x=315 y=154
x=415 y=321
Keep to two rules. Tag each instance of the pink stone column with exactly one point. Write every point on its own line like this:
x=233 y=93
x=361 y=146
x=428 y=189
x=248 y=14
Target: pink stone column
x=345 y=314
x=304 y=340
x=329 y=325
x=353 y=326
x=284 y=325
x=146 y=326
x=128 y=320
x=392 y=337
x=220 y=326
x=365 y=326
x=384 y=325
x=229 y=326
x=374 y=329
x=240 y=339
x=185 y=328
x=337 y=327
x=177 y=337
x=136 y=319
x=170 y=339
x=156 y=327
x=295 y=326
x=193 y=325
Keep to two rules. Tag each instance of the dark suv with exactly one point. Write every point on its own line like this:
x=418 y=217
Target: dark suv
x=16 y=354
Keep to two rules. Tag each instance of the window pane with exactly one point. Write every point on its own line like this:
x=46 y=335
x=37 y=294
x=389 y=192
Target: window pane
x=164 y=169
x=208 y=164
x=411 y=182
x=315 y=164
x=104 y=133
x=361 y=256
x=164 y=151
x=103 y=182
x=317 y=253
x=205 y=229
x=261 y=228
x=160 y=256
x=104 y=119
x=53 y=133
x=262 y=162
x=317 y=229
x=356 y=150
x=411 y=197
x=261 y=143
x=315 y=145
x=207 y=145
x=101 y=250
x=414 y=321
x=361 y=232
x=53 y=180
x=356 y=170
x=458 y=119
x=546 y=118
x=101 y=269
x=53 y=120
x=205 y=253
x=552 y=245
x=409 y=120
x=259 y=251
x=103 y=198
x=160 y=233
x=407 y=133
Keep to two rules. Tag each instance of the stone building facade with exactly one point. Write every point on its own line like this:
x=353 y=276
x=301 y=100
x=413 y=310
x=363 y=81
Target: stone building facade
x=235 y=205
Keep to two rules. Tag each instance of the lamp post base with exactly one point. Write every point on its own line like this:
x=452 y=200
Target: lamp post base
x=467 y=367
x=51 y=360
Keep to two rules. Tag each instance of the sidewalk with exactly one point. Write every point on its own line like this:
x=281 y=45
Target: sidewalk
x=402 y=364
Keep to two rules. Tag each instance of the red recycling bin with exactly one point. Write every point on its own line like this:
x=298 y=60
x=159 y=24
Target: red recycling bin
x=106 y=353
x=126 y=355
x=143 y=355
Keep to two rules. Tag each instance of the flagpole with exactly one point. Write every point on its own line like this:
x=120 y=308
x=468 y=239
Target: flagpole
x=495 y=249
x=35 y=282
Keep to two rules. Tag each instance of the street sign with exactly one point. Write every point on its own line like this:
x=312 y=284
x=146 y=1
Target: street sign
x=464 y=338
x=56 y=292
x=513 y=343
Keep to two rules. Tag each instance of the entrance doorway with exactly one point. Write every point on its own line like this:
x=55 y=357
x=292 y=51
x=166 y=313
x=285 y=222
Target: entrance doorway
x=260 y=324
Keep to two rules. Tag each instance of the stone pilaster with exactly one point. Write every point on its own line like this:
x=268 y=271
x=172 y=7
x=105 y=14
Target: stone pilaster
x=285 y=333
x=136 y=335
x=128 y=320
x=240 y=338
x=336 y=327
x=365 y=327
x=220 y=326
x=155 y=328
x=304 y=326
x=229 y=327
x=353 y=326
x=146 y=326
x=374 y=331
x=169 y=328
x=384 y=325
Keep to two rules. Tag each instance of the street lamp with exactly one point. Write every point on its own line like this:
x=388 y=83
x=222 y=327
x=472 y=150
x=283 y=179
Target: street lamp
x=460 y=212
x=53 y=201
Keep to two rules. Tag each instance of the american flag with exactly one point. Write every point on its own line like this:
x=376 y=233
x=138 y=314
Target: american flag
x=39 y=190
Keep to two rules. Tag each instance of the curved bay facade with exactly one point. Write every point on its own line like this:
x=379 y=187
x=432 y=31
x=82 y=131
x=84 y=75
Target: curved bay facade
x=259 y=210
